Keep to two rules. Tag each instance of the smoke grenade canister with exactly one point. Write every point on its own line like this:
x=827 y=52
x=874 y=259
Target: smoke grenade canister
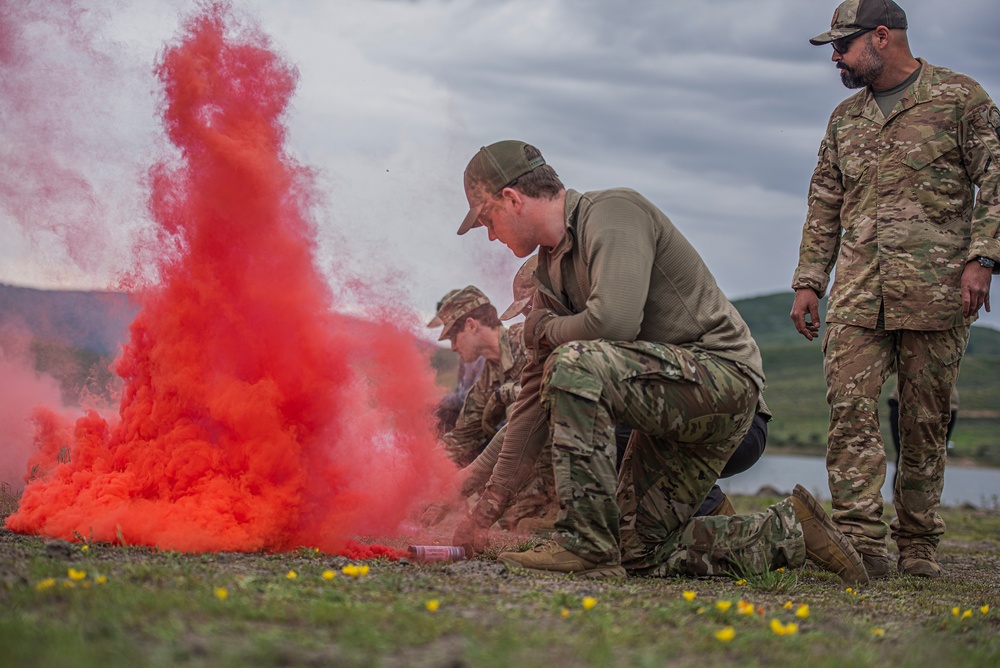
x=437 y=552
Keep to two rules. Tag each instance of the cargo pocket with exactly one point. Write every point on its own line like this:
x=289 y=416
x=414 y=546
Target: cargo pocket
x=662 y=360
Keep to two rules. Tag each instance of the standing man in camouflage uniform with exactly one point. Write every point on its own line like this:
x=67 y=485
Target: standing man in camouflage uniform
x=471 y=324
x=627 y=326
x=892 y=203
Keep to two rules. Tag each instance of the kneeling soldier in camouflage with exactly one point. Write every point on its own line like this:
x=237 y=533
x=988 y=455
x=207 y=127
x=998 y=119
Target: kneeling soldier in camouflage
x=628 y=326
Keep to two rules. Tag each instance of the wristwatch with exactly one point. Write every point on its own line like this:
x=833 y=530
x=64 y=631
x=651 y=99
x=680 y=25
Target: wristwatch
x=986 y=262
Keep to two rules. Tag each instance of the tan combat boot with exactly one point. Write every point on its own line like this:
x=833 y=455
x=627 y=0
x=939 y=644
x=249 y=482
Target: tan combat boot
x=877 y=565
x=551 y=557
x=919 y=559
x=825 y=544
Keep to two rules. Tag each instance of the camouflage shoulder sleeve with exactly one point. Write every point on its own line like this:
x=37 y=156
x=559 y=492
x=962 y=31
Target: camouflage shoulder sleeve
x=981 y=155
x=821 y=232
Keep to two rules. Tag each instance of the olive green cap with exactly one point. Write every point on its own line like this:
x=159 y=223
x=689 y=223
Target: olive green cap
x=491 y=170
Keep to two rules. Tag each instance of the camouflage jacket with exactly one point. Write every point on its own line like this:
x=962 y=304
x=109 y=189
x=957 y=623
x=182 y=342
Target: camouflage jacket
x=892 y=203
x=475 y=423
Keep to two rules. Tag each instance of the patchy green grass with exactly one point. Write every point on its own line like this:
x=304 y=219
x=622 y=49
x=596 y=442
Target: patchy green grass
x=112 y=605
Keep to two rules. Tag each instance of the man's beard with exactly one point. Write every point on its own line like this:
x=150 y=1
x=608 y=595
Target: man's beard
x=869 y=68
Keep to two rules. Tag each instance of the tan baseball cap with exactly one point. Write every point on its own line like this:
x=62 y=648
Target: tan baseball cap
x=854 y=16
x=455 y=306
x=491 y=170
x=524 y=288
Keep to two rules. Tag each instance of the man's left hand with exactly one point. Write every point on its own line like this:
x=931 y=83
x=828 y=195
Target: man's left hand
x=975 y=288
x=472 y=531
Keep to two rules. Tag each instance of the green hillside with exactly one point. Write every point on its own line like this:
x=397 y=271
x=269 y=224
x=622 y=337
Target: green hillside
x=797 y=391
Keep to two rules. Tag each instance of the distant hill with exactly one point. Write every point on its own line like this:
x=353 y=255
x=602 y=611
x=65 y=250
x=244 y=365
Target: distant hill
x=76 y=333
x=91 y=321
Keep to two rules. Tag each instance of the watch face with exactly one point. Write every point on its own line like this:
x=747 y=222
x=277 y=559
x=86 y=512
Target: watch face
x=986 y=262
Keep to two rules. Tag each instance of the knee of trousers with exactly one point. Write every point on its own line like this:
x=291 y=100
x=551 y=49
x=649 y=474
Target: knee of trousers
x=854 y=406
x=573 y=368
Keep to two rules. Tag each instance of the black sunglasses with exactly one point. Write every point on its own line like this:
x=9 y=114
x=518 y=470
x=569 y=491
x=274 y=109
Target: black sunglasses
x=843 y=45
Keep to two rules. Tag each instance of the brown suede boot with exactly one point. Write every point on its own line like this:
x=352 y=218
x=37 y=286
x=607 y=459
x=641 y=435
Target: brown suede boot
x=551 y=557
x=877 y=565
x=825 y=544
x=724 y=508
x=919 y=559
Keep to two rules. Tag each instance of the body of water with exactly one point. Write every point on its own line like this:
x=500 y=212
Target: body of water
x=978 y=486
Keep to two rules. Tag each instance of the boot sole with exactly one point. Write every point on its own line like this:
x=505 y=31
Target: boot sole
x=860 y=575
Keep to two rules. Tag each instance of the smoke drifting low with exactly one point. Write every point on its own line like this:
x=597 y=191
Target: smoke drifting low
x=253 y=415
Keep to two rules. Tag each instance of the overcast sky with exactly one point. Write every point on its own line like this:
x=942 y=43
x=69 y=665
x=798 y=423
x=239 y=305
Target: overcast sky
x=712 y=109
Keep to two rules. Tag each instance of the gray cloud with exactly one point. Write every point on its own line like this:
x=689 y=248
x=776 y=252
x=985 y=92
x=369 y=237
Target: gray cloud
x=713 y=109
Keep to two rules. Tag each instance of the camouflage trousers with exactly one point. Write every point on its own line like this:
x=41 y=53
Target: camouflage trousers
x=689 y=410
x=537 y=498
x=857 y=362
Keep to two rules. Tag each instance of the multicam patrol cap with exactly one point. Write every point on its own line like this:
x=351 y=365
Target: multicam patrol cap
x=854 y=16
x=524 y=288
x=454 y=307
x=436 y=321
x=492 y=169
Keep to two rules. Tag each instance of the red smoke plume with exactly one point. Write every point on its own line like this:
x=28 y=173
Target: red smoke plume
x=253 y=416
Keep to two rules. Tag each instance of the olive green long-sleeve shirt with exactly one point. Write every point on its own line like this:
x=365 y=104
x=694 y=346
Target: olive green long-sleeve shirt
x=622 y=272
x=893 y=204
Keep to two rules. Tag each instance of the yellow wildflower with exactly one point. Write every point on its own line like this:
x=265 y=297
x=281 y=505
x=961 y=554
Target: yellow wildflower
x=725 y=634
x=68 y=584
x=967 y=614
x=101 y=579
x=689 y=596
x=741 y=581
x=802 y=612
x=588 y=602
x=291 y=575
x=723 y=605
x=849 y=590
x=221 y=593
x=984 y=609
x=76 y=575
x=744 y=608
x=84 y=547
x=432 y=605
x=781 y=570
x=700 y=611
x=787 y=606
x=791 y=628
x=45 y=584
x=355 y=570
x=878 y=633
x=564 y=613
x=329 y=575
x=955 y=611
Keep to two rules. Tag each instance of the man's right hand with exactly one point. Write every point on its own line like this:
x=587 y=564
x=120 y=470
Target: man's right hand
x=806 y=304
